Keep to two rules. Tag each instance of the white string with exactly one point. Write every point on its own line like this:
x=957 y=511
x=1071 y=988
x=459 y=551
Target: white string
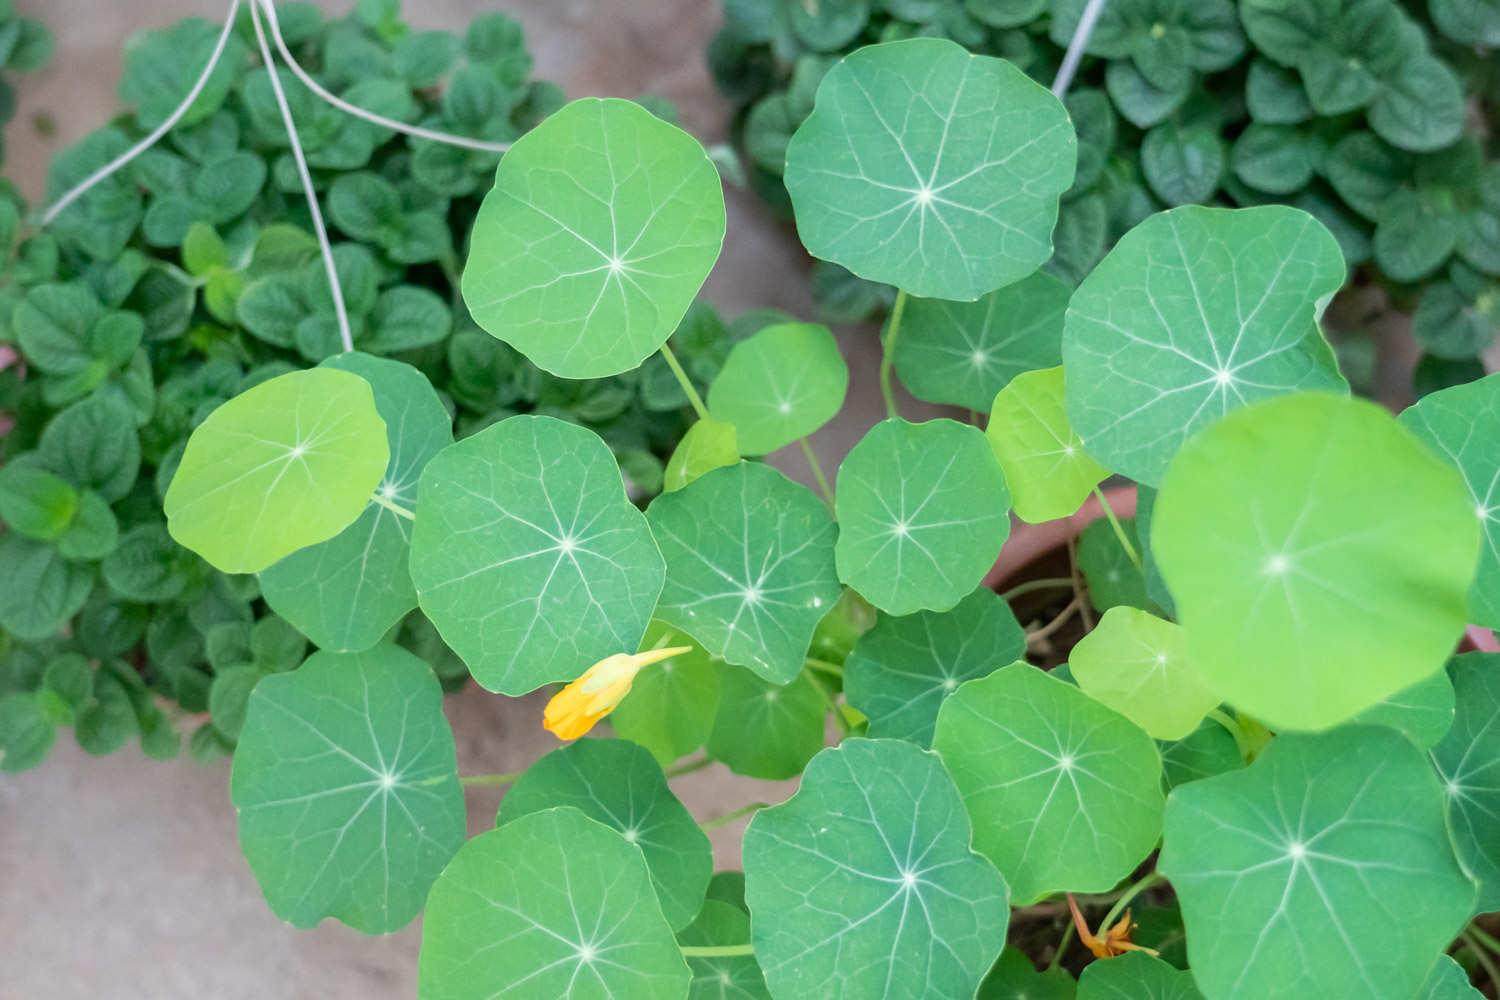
x=1076 y=45
x=307 y=184
x=156 y=133
x=412 y=130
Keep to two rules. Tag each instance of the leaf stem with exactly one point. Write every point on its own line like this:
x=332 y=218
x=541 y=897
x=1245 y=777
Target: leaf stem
x=1050 y=583
x=716 y=950
x=1139 y=886
x=831 y=702
x=1056 y=623
x=824 y=666
x=730 y=817
x=1484 y=938
x=817 y=470
x=1114 y=522
x=685 y=382
x=1079 y=590
x=888 y=353
x=503 y=778
x=1481 y=955
x=393 y=506
x=689 y=766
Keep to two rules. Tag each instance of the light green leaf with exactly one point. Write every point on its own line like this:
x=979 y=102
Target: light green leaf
x=1065 y=794
x=582 y=257
x=1137 y=664
x=766 y=730
x=615 y=782
x=1312 y=850
x=1468 y=764
x=289 y=463
x=1319 y=555
x=923 y=511
x=780 y=385
x=347 y=789
x=962 y=353
x=671 y=705
x=901 y=670
x=1462 y=425
x=528 y=557
x=708 y=445
x=863 y=884
x=1046 y=468
x=733 y=977
x=1195 y=312
x=1135 y=976
x=346 y=593
x=572 y=903
x=931 y=169
x=750 y=567
x=1423 y=713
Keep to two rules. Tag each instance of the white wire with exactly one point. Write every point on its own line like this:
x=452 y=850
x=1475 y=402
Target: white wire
x=1076 y=45
x=412 y=130
x=156 y=133
x=307 y=184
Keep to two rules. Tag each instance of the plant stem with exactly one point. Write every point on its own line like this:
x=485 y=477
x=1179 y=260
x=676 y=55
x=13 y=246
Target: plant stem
x=1481 y=956
x=824 y=666
x=1062 y=945
x=716 y=950
x=817 y=470
x=689 y=766
x=831 y=702
x=1050 y=583
x=392 y=506
x=1139 y=886
x=888 y=354
x=1114 y=522
x=1484 y=938
x=506 y=778
x=1078 y=588
x=730 y=817
x=1056 y=623
x=685 y=382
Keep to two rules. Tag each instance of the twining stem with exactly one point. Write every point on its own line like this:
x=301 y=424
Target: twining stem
x=1114 y=522
x=817 y=470
x=505 y=778
x=1050 y=583
x=685 y=382
x=1481 y=956
x=824 y=666
x=716 y=950
x=689 y=766
x=888 y=354
x=730 y=817
x=392 y=506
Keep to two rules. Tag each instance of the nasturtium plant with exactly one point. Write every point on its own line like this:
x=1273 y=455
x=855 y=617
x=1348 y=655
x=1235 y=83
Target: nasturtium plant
x=767 y=730
x=1137 y=664
x=580 y=259
x=1046 y=467
x=1136 y=976
x=671 y=706
x=1423 y=713
x=1467 y=759
x=1320 y=557
x=779 y=385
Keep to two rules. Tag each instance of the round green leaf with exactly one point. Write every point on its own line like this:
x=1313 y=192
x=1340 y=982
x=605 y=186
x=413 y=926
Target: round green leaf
x=1312 y=851
x=1208 y=750
x=863 y=884
x=1015 y=978
x=347 y=789
x=553 y=904
x=286 y=464
x=923 y=511
x=1319 y=555
x=708 y=445
x=1046 y=468
x=901 y=670
x=1135 y=976
x=1423 y=713
x=602 y=225
x=723 y=977
x=1065 y=794
x=766 y=730
x=671 y=705
x=931 y=169
x=780 y=385
x=750 y=568
x=1137 y=664
x=1462 y=424
x=1448 y=981
x=1196 y=311
x=617 y=783
x=962 y=353
x=1468 y=764
x=528 y=557
x=346 y=593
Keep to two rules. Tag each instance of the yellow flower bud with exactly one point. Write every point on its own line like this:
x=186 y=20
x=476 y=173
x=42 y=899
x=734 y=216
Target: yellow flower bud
x=575 y=709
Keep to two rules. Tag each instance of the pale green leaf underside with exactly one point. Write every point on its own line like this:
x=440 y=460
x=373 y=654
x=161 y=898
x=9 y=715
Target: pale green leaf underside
x=346 y=593
x=552 y=904
x=617 y=783
x=901 y=670
x=1046 y=467
x=1065 y=793
x=1462 y=424
x=862 y=885
x=602 y=225
x=1195 y=312
x=780 y=385
x=1322 y=870
x=962 y=353
x=1320 y=557
x=930 y=169
x=708 y=444
x=528 y=557
x=347 y=789
x=750 y=568
x=1468 y=765
x=1136 y=976
x=1137 y=664
x=923 y=510
x=286 y=464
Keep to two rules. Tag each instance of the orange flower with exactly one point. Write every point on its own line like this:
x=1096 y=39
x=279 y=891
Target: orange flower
x=575 y=709
x=1112 y=940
